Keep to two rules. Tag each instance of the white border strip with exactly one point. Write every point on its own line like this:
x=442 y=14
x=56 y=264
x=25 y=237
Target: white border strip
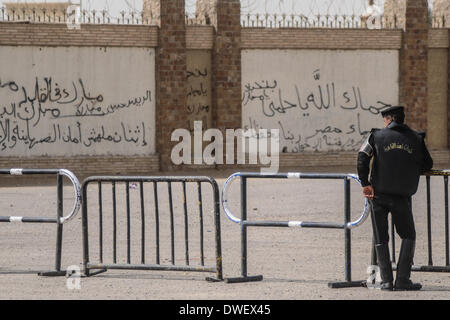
x=295 y=224
x=15 y=172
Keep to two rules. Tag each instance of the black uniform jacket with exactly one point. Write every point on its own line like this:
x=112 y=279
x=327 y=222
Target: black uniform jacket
x=400 y=156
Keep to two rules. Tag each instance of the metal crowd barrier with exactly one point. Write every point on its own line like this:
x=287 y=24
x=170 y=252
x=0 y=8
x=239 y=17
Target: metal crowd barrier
x=245 y=223
x=430 y=267
x=100 y=266
x=60 y=219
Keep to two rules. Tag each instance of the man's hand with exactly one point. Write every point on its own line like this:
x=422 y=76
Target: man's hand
x=368 y=192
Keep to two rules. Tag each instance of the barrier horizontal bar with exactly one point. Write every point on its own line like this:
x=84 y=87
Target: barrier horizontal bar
x=63 y=172
x=291 y=175
x=147 y=179
x=323 y=225
x=244 y=279
x=437 y=173
x=293 y=224
x=418 y=268
x=430 y=268
x=19 y=172
x=159 y=267
x=28 y=220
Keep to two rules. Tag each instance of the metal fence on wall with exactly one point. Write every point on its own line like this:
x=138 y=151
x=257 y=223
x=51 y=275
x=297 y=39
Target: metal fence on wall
x=292 y=14
x=439 y=21
x=37 y=15
x=316 y=21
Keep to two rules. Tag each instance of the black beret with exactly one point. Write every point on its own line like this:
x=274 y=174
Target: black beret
x=392 y=110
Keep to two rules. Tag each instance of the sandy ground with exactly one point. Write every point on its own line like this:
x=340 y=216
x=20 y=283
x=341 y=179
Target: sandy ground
x=297 y=264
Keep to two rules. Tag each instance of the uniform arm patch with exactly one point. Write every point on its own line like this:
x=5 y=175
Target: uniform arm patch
x=367 y=148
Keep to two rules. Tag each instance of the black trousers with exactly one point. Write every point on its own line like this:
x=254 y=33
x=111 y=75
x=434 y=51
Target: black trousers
x=402 y=217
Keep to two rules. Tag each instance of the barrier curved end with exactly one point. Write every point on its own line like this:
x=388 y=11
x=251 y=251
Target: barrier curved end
x=225 y=197
x=365 y=212
x=77 y=191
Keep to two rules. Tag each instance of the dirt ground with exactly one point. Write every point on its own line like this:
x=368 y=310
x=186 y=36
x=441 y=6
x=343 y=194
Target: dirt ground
x=297 y=264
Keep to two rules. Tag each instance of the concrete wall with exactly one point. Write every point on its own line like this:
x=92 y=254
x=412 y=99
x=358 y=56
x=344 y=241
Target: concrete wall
x=71 y=101
x=321 y=100
x=216 y=74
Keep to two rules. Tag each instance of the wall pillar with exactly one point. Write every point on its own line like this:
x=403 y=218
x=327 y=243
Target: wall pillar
x=448 y=92
x=437 y=115
x=414 y=64
x=441 y=14
x=412 y=17
x=171 y=78
x=227 y=65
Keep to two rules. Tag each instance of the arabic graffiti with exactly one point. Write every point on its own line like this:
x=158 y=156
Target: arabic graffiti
x=271 y=99
x=54 y=114
x=325 y=138
x=327 y=117
x=199 y=92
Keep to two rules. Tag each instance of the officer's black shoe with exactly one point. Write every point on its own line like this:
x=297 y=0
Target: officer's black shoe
x=406 y=285
x=387 y=286
x=402 y=281
x=384 y=263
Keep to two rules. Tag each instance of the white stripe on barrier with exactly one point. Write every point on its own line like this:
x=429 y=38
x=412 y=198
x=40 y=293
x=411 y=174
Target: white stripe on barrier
x=294 y=175
x=15 y=172
x=15 y=219
x=293 y=224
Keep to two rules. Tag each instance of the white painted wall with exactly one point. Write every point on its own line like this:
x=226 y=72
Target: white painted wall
x=321 y=100
x=77 y=101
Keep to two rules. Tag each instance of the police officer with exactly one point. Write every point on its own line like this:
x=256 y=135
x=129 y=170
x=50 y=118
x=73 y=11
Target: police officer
x=400 y=156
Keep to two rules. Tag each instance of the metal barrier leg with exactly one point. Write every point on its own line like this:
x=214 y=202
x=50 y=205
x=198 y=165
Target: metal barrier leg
x=86 y=271
x=373 y=270
x=172 y=231
x=244 y=277
x=393 y=240
x=155 y=196
x=219 y=266
x=348 y=246
x=430 y=254
x=59 y=232
x=447 y=258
